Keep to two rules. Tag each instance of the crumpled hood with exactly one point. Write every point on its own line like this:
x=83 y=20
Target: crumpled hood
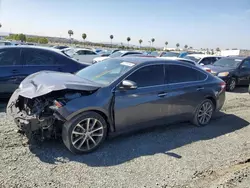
x=44 y=82
x=97 y=59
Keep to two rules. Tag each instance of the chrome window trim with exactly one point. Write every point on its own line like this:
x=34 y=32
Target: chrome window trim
x=164 y=64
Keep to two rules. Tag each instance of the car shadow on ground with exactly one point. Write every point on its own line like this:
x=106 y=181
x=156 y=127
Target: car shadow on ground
x=240 y=89
x=160 y=140
x=3 y=104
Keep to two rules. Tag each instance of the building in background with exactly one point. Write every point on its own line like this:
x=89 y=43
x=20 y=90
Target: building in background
x=235 y=53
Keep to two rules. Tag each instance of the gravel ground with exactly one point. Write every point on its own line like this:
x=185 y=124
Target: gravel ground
x=181 y=155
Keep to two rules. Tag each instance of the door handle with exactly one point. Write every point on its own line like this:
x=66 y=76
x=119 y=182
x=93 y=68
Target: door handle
x=162 y=94
x=200 y=88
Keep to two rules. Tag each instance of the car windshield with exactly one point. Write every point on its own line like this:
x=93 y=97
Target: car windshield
x=105 y=72
x=116 y=54
x=228 y=62
x=170 y=54
x=193 y=58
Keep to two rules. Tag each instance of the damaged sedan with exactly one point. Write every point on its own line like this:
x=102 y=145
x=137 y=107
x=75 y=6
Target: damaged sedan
x=112 y=97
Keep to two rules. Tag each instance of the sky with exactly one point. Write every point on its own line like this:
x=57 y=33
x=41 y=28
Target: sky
x=196 y=23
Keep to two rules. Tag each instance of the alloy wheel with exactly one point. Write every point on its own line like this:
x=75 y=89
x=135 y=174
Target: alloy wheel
x=232 y=84
x=205 y=113
x=87 y=134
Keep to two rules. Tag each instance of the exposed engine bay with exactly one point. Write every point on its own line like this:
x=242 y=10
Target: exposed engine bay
x=38 y=116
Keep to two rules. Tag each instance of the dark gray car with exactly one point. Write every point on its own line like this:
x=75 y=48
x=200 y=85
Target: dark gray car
x=114 y=96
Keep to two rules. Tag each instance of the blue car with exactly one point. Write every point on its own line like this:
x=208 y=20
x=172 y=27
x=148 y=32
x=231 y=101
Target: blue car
x=17 y=62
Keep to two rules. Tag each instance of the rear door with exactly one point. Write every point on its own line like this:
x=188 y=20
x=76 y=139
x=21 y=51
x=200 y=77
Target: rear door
x=244 y=72
x=143 y=106
x=10 y=69
x=185 y=90
x=35 y=60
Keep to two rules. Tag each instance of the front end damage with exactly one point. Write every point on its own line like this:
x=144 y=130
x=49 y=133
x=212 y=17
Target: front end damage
x=38 y=117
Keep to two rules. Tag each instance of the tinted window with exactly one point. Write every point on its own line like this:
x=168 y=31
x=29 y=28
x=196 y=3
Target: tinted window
x=228 y=62
x=9 y=57
x=208 y=60
x=148 y=76
x=246 y=63
x=179 y=74
x=190 y=62
x=38 y=57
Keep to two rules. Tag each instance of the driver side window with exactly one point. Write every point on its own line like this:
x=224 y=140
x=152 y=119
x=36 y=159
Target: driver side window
x=246 y=63
x=151 y=75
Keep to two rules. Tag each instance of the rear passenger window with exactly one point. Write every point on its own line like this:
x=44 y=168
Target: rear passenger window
x=180 y=74
x=9 y=57
x=148 y=76
x=38 y=57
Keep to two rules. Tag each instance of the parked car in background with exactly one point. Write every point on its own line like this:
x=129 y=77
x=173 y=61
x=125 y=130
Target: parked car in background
x=60 y=47
x=106 y=53
x=5 y=43
x=17 y=62
x=169 y=54
x=233 y=70
x=187 y=61
x=114 y=96
x=81 y=54
x=116 y=54
x=203 y=59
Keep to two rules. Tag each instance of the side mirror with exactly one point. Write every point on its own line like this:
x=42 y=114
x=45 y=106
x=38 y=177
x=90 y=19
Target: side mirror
x=127 y=85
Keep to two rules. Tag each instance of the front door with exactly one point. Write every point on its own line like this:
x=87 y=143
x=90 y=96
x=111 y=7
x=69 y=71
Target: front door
x=10 y=69
x=143 y=106
x=244 y=73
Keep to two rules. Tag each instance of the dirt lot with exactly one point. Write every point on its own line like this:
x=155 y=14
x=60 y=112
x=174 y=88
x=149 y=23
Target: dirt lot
x=181 y=155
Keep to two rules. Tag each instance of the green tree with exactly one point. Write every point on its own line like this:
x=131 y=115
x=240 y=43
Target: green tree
x=186 y=46
x=43 y=40
x=140 y=41
x=177 y=45
x=22 y=37
x=128 y=39
x=111 y=38
x=152 y=40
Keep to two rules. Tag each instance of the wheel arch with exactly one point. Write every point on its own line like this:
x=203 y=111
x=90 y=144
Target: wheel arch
x=100 y=111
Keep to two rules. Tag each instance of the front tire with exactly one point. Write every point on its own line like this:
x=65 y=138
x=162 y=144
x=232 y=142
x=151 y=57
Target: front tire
x=231 y=84
x=84 y=133
x=203 y=113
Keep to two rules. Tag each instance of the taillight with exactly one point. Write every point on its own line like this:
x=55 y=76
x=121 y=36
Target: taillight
x=223 y=86
x=209 y=70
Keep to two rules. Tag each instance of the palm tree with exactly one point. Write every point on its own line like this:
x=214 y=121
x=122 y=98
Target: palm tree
x=84 y=36
x=111 y=38
x=166 y=43
x=152 y=40
x=128 y=39
x=0 y=25
x=140 y=41
x=70 y=32
x=186 y=46
x=177 y=45
x=218 y=49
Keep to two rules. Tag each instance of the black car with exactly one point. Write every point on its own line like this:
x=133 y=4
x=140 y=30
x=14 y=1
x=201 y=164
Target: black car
x=114 y=96
x=17 y=62
x=233 y=70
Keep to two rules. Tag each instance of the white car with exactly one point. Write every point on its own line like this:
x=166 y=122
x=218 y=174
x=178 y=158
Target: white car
x=81 y=54
x=187 y=61
x=203 y=59
x=116 y=54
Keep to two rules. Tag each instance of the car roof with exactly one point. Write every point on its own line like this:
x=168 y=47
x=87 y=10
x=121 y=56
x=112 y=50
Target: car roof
x=235 y=57
x=32 y=47
x=202 y=55
x=146 y=60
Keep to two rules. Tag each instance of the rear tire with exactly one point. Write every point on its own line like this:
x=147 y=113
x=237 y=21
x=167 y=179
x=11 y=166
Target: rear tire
x=231 y=84
x=84 y=133
x=203 y=113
